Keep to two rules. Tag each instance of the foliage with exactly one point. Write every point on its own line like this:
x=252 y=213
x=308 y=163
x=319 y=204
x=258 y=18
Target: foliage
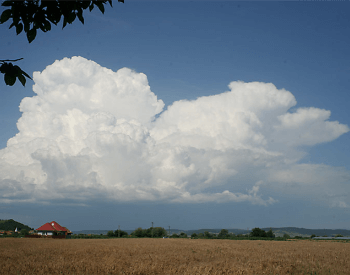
x=11 y=225
x=270 y=234
x=120 y=233
x=223 y=234
x=207 y=235
x=194 y=236
x=155 y=232
x=260 y=233
x=31 y=16
x=286 y=236
x=110 y=233
x=339 y=235
x=257 y=232
x=183 y=235
x=313 y=236
x=12 y=72
x=174 y=236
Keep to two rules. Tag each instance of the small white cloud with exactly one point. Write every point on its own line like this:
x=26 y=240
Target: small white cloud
x=91 y=133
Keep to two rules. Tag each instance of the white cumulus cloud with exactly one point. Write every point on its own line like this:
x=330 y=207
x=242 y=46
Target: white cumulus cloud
x=91 y=133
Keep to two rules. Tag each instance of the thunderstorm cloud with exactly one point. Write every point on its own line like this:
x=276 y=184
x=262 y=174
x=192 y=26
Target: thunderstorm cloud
x=94 y=134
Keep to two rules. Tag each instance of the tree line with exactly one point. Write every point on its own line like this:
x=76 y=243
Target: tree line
x=160 y=232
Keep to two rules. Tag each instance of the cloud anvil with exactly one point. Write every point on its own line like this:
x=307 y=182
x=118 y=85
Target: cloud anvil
x=93 y=133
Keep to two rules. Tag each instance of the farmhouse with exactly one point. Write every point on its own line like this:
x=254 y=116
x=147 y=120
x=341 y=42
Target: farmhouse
x=52 y=228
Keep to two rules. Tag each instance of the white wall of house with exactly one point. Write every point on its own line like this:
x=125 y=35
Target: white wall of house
x=45 y=233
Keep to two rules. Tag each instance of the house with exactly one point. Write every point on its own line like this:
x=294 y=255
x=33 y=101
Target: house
x=53 y=228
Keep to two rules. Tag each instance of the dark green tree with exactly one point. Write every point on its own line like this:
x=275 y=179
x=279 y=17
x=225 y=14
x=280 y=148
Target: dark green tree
x=174 y=236
x=120 y=233
x=223 y=234
x=286 y=236
x=139 y=233
x=110 y=233
x=313 y=236
x=270 y=234
x=257 y=232
x=24 y=232
x=158 y=232
x=35 y=15
x=194 y=236
x=208 y=235
x=183 y=235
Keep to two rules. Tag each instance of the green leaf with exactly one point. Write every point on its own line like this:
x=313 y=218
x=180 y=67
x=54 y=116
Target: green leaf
x=19 y=28
x=31 y=34
x=22 y=79
x=100 y=6
x=85 y=4
x=3 y=68
x=5 y=16
x=24 y=73
x=71 y=17
x=64 y=22
x=9 y=79
x=80 y=16
x=46 y=26
x=6 y=3
x=17 y=71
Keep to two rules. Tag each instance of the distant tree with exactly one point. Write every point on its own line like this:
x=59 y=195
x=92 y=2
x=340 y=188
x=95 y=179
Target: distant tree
x=257 y=232
x=158 y=232
x=313 y=236
x=31 y=16
x=139 y=232
x=174 y=236
x=338 y=235
x=223 y=234
x=200 y=235
x=120 y=233
x=110 y=233
x=194 y=236
x=183 y=235
x=208 y=235
x=298 y=237
x=286 y=236
x=270 y=234
x=24 y=232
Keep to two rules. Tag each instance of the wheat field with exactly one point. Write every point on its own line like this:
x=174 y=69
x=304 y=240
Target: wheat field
x=172 y=256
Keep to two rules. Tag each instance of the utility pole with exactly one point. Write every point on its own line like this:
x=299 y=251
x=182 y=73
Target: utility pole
x=152 y=229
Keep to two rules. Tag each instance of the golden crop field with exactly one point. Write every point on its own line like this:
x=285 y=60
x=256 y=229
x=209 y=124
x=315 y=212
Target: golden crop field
x=172 y=256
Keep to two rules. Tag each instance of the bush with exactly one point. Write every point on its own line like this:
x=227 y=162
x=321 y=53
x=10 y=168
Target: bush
x=257 y=232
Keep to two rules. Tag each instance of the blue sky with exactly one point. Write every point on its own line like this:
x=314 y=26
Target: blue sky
x=200 y=148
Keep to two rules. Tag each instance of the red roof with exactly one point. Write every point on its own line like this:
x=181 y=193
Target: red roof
x=51 y=226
